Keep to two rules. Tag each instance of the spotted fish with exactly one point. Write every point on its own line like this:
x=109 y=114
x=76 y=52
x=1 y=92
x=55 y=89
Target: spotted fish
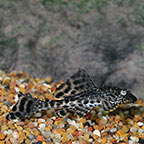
x=77 y=95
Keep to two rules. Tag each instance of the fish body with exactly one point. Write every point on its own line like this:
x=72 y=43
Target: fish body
x=77 y=95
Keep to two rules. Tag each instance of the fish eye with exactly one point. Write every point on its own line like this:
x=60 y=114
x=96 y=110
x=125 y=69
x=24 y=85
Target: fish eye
x=123 y=92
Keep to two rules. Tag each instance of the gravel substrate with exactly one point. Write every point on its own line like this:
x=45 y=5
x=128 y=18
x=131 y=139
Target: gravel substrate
x=125 y=125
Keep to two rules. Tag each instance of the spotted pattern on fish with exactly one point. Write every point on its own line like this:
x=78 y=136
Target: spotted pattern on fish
x=77 y=95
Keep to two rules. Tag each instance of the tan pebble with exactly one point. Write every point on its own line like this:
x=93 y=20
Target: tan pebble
x=19 y=128
x=137 y=118
x=20 y=140
x=82 y=120
x=36 y=132
x=134 y=138
x=49 y=127
x=4 y=108
x=13 y=141
x=22 y=134
x=15 y=134
x=27 y=133
x=1 y=100
x=65 y=138
x=2 y=142
x=125 y=129
x=103 y=120
x=69 y=130
x=20 y=123
x=31 y=125
x=6 y=80
x=27 y=141
x=81 y=126
x=4 y=127
x=130 y=121
x=86 y=137
x=7 y=141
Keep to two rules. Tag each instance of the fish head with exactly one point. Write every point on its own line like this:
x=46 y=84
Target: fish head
x=114 y=96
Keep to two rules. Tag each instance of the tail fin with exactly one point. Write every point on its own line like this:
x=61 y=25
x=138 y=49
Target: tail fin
x=25 y=106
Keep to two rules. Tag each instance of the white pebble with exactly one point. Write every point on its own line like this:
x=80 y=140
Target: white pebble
x=9 y=132
x=120 y=124
x=17 y=89
x=1 y=78
x=116 y=137
x=103 y=117
x=113 y=130
x=131 y=142
x=141 y=130
x=102 y=131
x=72 y=122
x=89 y=121
x=56 y=141
x=5 y=132
x=38 y=115
x=47 y=134
x=70 y=137
x=90 y=140
x=41 y=127
x=52 y=135
x=58 y=136
x=41 y=120
x=46 y=85
x=133 y=129
x=77 y=125
x=16 y=98
x=35 y=124
x=97 y=132
x=140 y=124
x=90 y=133
x=15 y=135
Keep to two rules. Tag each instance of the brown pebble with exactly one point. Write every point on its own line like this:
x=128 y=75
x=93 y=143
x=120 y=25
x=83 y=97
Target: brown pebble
x=31 y=125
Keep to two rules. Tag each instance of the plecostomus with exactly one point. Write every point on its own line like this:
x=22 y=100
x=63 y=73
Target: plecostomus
x=77 y=95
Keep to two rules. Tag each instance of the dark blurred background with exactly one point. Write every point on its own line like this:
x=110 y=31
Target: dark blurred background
x=55 y=37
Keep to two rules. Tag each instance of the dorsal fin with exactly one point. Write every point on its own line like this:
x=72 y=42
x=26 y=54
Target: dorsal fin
x=77 y=83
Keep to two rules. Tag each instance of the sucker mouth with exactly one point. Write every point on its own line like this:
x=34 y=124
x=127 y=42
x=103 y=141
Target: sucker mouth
x=132 y=98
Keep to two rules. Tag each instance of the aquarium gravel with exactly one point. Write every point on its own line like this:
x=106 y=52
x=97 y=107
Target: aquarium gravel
x=124 y=125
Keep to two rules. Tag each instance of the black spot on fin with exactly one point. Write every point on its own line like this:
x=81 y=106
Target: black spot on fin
x=77 y=83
